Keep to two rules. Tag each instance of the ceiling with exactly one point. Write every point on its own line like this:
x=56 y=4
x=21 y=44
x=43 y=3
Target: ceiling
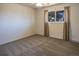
x=34 y=4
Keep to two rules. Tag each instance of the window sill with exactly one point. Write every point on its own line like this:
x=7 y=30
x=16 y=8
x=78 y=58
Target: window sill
x=56 y=22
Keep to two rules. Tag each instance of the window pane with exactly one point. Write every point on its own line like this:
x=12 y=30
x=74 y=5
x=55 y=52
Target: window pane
x=60 y=16
x=51 y=16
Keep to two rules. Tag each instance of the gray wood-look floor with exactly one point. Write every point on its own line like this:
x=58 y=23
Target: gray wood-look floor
x=39 y=46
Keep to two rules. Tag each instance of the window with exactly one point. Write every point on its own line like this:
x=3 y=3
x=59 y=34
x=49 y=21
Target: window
x=56 y=16
x=51 y=16
x=60 y=16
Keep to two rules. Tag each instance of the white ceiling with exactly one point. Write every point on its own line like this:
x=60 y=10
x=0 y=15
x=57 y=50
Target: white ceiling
x=34 y=5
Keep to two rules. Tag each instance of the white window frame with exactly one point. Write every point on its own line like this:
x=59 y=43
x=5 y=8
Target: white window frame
x=55 y=17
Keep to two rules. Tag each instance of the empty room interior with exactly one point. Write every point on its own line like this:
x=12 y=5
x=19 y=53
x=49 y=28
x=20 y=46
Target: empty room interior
x=39 y=29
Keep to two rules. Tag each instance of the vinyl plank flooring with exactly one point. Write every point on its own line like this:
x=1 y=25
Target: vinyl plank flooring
x=38 y=45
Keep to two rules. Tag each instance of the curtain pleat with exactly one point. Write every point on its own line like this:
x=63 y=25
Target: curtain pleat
x=66 y=23
x=46 y=25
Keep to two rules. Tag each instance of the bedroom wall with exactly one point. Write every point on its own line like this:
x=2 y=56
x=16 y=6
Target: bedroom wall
x=56 y=30
x=16 y=22
x=74 y=18
x=74 y=14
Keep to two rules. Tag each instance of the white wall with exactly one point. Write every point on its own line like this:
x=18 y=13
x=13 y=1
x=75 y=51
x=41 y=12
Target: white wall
x=56 y=30
x=74 y=14
x=74 y=18
x=16 y=22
